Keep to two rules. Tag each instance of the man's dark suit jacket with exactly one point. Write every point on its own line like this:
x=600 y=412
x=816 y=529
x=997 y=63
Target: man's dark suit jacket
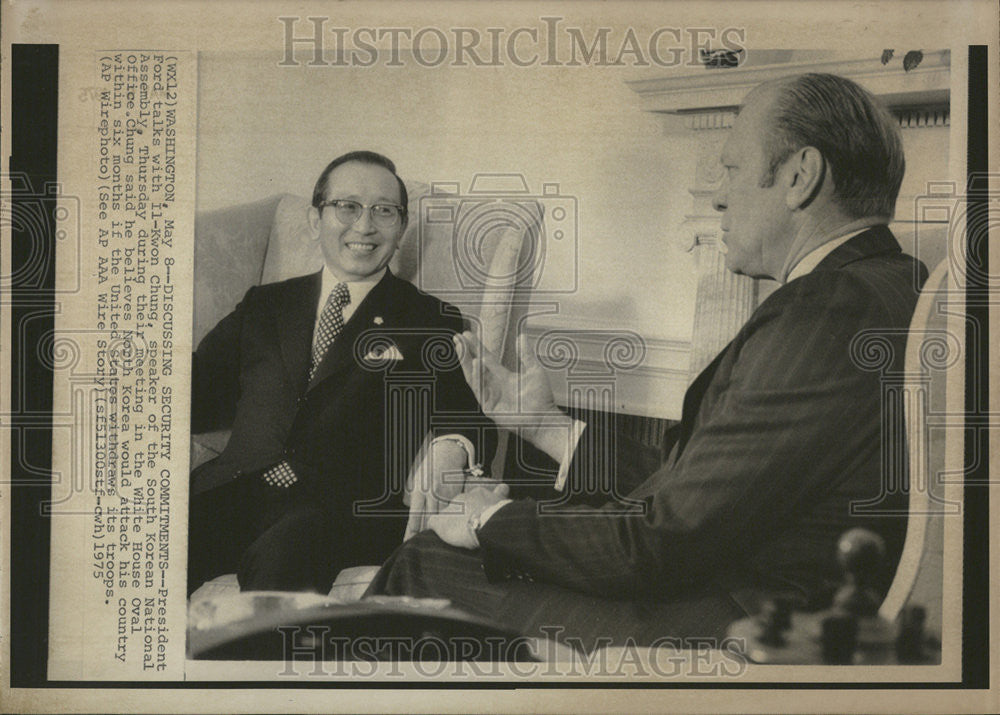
x=779 y=435
x=356 y=421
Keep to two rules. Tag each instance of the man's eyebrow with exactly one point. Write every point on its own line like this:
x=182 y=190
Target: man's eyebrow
x=380 y=199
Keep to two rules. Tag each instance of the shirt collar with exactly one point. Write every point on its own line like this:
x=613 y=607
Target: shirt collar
x=358 y=290
x=814 y=257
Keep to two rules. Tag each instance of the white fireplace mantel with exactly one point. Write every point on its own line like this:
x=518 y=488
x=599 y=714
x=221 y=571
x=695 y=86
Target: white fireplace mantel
x=711 y=90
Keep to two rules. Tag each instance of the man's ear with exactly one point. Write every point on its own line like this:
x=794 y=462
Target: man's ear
x=313 y=217
x=807 y=171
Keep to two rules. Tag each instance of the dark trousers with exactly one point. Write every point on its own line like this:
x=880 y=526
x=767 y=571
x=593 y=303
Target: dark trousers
x=273 y=538
x=427 y=567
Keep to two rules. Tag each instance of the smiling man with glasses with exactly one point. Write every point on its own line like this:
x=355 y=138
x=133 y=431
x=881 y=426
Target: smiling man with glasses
x=302 y=372
x=359 y=214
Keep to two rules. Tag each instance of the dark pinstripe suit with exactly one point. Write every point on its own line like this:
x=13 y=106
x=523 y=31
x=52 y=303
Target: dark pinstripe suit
x=779 y=435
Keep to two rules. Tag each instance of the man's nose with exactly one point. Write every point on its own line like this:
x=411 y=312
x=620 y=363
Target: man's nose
x=364 y=223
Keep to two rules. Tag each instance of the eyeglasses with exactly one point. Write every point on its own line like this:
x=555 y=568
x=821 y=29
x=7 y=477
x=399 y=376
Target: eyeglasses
x=382 y=215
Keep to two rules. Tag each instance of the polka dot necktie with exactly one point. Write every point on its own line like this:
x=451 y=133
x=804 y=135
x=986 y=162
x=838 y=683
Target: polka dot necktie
x=331 y=322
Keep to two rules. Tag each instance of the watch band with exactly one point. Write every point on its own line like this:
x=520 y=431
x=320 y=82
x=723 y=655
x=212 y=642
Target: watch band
x=476 y=521
x=473 y=524
x=475 y=469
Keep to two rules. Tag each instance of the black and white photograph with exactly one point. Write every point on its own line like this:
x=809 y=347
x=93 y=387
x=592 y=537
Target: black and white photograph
x=533 y=356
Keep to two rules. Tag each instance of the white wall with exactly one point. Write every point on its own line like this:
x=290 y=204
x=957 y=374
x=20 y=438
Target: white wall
x=265 y=129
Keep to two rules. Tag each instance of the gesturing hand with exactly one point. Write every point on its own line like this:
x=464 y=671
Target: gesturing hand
x=514 y=400
x=452 y=524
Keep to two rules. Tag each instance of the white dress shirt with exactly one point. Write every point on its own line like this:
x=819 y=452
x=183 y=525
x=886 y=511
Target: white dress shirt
x=358 y=290
x=816 y=256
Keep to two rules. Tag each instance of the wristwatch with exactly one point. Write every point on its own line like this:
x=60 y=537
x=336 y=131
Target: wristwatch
x=474 y=469
x=475 y=521
x=474 y=524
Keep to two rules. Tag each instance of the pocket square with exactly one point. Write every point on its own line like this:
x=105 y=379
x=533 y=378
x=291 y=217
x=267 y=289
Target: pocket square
x=384 y=354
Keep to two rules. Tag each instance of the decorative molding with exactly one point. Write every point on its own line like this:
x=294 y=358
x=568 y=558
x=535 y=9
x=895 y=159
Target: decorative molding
x=663 y=355
x=700 y=230
x=724 y=303
x=722 y=90
x=652 y=388
x=701 y=121
x=916 y=117
x=708 y=169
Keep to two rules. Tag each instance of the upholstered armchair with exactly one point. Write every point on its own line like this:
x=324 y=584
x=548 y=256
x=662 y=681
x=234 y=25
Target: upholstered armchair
x=931 y=351
x=478 y=255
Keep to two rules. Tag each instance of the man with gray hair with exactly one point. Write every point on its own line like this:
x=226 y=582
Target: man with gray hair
x=787 y=438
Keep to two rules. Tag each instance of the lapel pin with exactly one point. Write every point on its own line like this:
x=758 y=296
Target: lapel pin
x=378 y=320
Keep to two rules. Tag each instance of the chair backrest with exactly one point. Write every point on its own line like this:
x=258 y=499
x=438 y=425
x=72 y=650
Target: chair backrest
x=480 y=255
x=229 y=249
x=931 y=351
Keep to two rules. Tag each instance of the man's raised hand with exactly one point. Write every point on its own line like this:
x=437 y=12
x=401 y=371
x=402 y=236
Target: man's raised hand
x=521 y=401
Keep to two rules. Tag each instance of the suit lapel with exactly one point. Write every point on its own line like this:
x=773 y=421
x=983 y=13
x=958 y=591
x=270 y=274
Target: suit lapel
x=876 y=240
x=693 y=397
x=379 y=303
x=294 y=316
